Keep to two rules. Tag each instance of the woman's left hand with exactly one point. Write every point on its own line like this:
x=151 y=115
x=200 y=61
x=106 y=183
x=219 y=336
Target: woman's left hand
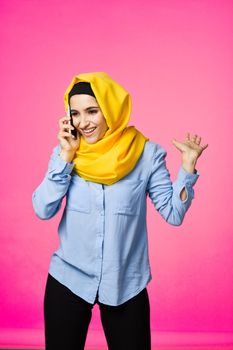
x=191 y=149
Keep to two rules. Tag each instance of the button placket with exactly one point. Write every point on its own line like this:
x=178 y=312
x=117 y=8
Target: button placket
x=100 y=229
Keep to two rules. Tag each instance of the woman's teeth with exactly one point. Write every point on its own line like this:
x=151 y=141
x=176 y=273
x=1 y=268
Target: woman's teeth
x=88 y=132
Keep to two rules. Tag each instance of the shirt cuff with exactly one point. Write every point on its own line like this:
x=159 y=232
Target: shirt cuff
x=58 y=165
x=61 y=166
x=186 y=177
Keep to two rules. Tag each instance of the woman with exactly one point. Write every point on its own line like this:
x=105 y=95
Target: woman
x=106 y=173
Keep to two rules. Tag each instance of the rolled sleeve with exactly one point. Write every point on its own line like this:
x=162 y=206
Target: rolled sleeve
x=58 y=168
x=187 y=177
x=47 y=197
x=185 y=180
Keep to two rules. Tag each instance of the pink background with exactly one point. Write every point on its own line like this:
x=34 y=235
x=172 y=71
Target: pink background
x=175 y=59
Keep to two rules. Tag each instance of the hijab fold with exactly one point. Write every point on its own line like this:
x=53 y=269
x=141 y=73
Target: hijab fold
x=116 y=154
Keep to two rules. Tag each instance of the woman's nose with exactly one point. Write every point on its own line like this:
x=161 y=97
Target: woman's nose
x=83 y=122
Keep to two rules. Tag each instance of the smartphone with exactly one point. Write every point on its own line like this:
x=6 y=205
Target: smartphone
x=74 y=131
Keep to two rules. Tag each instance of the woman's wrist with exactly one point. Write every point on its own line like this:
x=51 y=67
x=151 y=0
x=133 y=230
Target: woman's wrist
x=189 y=166
x=67 y=156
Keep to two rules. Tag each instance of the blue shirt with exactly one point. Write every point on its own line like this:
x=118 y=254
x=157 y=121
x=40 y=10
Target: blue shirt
x=103 y=232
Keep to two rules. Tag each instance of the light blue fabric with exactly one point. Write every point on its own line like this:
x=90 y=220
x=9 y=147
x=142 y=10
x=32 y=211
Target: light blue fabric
x=103 y=232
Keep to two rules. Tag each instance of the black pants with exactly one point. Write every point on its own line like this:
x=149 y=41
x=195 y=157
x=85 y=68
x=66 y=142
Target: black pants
x=67 y=317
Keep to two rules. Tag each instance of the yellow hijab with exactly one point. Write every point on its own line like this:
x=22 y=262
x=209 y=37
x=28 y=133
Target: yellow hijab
x=115 y=155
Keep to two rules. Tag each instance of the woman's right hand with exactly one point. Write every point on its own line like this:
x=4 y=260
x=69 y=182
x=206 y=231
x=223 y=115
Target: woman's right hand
x=68 y=143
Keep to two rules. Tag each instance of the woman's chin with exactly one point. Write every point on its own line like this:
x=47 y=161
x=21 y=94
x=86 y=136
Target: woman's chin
x=90 y=140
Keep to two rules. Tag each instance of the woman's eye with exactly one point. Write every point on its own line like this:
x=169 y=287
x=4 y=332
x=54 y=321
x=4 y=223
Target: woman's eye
x=76 y=114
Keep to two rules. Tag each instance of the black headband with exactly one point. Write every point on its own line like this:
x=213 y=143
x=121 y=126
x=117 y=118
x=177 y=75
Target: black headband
x=81 y=88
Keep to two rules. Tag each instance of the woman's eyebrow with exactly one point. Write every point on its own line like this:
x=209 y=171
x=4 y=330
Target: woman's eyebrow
x=86 y=109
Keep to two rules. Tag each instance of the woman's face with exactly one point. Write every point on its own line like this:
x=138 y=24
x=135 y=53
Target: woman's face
x=87 y=117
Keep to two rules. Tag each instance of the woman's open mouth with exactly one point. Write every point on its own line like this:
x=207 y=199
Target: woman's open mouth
x=88 y=132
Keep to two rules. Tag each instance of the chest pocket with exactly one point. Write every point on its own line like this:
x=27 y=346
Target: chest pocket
x=127 y=195
x=78 y=195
